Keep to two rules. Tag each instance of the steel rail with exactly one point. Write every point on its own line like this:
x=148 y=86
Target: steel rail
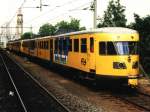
x=21 y=101
x=40 y=85
x=134 y=103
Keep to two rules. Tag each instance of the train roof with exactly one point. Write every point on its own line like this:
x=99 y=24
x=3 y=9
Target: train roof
x=114 y=30
x=111 y=30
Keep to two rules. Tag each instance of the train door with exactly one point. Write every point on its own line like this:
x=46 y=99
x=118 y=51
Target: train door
x=51 y=50
x=91 y=54
x=63 y=50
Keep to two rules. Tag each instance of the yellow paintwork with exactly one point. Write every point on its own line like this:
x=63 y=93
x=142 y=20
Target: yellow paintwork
x=74 y=58
x=102 y=64
x=25 y=50
x=43 y=53
x=133 y=82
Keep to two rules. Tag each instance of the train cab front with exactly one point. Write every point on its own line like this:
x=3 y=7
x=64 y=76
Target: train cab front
x=119 y=59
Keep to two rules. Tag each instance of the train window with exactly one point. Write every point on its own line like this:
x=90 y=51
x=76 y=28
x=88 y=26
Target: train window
x=60 y=45
x=111 y=48
x=35 y=44
x=41 y=44
x=64 y=44
x=91 y=45
x=51 y=44
x=83 y=45
x=76 y=45
x=70 y=44
x=32 y=44
x=44 y=45
x=107 y=48
x=102 y=47
x=47 y=45
x=56 y=44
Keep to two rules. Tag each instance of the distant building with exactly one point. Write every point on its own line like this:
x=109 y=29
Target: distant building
x=3 y=41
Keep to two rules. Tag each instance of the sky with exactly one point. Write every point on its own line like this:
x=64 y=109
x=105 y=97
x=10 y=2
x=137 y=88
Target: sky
x=58 y=10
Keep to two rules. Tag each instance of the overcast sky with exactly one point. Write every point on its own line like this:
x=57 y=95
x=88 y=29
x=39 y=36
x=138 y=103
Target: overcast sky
x=63 y=10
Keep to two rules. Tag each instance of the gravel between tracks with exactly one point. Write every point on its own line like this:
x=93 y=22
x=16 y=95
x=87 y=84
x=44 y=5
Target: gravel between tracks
x=73 y=102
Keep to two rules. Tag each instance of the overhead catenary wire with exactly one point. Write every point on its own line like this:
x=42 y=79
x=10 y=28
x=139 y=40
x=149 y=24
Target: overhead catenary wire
x=65 y=13
x=47 y=12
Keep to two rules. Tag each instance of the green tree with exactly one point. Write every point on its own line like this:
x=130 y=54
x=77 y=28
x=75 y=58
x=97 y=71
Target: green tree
x=46 y=30
x=74 y=24
x=114 y=15
x=64 y=26
x=142 y=26
x=27 y=35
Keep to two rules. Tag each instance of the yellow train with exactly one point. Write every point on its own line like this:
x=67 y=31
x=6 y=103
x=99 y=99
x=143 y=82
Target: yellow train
x=110 y=52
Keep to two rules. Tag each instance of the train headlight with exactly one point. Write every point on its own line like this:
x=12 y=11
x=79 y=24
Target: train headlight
x=119 y=65
x=135 y=65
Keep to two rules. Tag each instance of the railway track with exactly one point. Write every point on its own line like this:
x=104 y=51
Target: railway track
x=9 y=101
x=140 y=100
x=32 y=95
x=135 y=98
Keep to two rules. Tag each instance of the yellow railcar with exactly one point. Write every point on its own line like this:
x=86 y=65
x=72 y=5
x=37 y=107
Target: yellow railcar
x=15 y=46
x=104 y=52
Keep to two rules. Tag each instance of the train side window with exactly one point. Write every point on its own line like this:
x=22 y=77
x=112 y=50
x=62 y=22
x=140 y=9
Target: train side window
x=111 y=49
x=83 y=45
x=39 y=44
x=56 y=44
x=91 y=45
x=70 y=44
x=60 y=44
x=42 y=44
x=64 y=44
x=102 y=48
x=35 y=44
x=76 y=45
x=32 y=44
x=47 y=45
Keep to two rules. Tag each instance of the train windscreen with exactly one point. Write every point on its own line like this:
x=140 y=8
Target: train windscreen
x=126 y=48
x=118 y=48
